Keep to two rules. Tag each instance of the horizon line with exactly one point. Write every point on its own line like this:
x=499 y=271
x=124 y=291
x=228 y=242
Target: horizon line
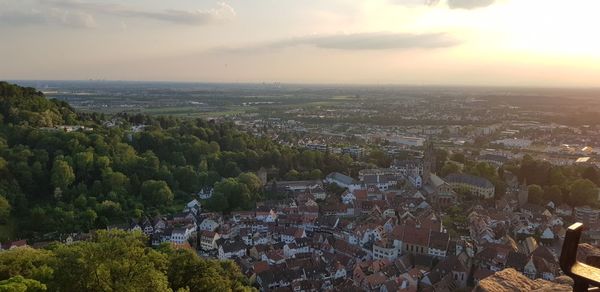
x=343 y=84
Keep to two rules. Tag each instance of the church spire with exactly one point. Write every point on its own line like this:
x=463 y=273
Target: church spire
x=428 y=161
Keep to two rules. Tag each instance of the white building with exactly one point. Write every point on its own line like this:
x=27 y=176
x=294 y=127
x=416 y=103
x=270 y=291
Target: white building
x=208 y=225
x=514 y=143
x=342 y=181
x=181 y=235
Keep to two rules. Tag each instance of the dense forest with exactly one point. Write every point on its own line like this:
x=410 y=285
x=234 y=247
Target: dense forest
x=55 y=181
x=115 y=261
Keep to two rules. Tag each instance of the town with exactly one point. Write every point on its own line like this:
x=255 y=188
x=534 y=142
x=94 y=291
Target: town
x=301 y=146
x=439 y=201
x=382 y=231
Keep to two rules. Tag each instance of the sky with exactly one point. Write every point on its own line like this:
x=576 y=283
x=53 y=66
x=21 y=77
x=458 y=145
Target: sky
x=414 y=42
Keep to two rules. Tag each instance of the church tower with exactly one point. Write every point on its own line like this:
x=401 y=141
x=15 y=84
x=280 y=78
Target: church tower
x=428 y=161
x=523 y=193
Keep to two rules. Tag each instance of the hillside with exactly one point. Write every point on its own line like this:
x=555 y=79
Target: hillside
x=26 y=106
x=57 y=179
x=101 y=171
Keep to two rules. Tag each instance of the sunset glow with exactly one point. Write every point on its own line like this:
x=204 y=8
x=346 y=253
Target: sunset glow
x=475 y=42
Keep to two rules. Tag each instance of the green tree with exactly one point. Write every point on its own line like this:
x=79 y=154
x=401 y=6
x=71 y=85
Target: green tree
x=188 y=271
x=556 y=177
x=188 y=179
x=156 y=192
x=554 y=194
x=218 y=203
x=448 y=168
x=62 y=174
x=4 y=209
x=26 y=262
x=591 y=173
x=20 y=284
x=583 y=192
x=251 y=181
x=458 y=157
x=88 y=218
x=536 y=194
x=113 y=261
x=237 y=194
x=116 y=182
x=292 y=175
x=379 y=158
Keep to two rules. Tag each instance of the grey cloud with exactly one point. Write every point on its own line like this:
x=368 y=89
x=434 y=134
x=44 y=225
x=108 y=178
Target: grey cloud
x=469 y=4
x=363 y=41
x=53 y=16
x=191 y=17
x=81 y=14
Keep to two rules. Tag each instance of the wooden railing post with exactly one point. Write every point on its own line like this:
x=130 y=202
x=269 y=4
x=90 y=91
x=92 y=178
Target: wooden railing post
x=583 y=275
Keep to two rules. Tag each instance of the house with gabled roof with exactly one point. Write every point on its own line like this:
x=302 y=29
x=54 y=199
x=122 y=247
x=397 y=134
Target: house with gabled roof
x=291 y=234
x=438 y=244
x=208 y=225
x=13 y=244
x=539 y=267
x=208 y=240
x=231 y=248
x=453 y=266
x=342 y=180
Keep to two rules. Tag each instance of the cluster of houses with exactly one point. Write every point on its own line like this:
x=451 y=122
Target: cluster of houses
x=384 y=232
x=177 y=228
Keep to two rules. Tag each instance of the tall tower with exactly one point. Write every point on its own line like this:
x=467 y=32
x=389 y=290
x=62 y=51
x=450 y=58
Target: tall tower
x=428 y=161
x=523 y=195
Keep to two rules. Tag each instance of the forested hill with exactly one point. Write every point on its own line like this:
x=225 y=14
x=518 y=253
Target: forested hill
x=56 y=179
x=26 y=106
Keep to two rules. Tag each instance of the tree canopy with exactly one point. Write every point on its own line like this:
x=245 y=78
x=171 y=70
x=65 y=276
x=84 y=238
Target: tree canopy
x=66 y=181
x=115 y=261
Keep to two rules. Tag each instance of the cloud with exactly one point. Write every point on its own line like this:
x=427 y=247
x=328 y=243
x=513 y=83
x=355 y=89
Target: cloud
x=469 y=4
x=416 y=2
x=222 y=12
x=362 y=41
x=81 y=14
x=191 y=17
x=452 y=4
x=52 y=16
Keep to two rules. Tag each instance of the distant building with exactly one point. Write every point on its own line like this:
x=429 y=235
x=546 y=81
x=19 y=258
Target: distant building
x=409 y=166
x=495 y=160
x=342 y=180
x=298 y=186
x=354 y=151
x=205 y=193
x=514 y=143
x=407 y=141
x=587 y=215
x=317 y=147
x=384 y=249
x=478 y=186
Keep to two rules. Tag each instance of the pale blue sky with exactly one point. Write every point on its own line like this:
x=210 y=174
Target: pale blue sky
x=471 y=42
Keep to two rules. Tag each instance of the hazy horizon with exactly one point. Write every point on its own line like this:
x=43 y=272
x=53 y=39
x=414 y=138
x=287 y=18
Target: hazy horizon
x=28 y=82
x=507 y=43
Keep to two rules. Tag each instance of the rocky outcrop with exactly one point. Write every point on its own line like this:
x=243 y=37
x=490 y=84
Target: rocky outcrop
x=511 y=280
x=586 y=253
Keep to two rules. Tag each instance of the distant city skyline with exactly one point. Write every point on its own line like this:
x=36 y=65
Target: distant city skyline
x=546 y=43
